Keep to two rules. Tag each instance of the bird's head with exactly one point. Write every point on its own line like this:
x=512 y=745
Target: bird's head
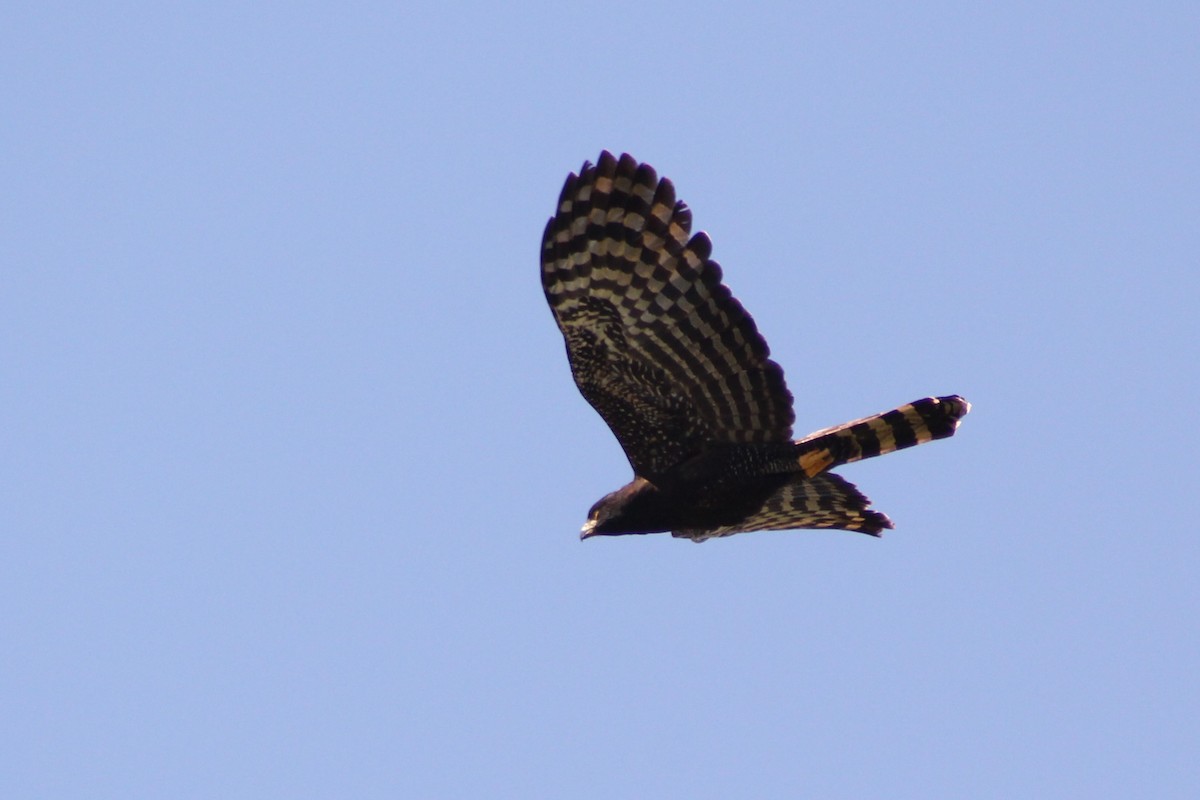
x=631 y=509
x=601 y=517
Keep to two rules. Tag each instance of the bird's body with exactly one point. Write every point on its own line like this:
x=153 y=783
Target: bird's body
x=677 y=369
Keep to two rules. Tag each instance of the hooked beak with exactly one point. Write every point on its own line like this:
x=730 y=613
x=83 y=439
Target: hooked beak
x=588 y=529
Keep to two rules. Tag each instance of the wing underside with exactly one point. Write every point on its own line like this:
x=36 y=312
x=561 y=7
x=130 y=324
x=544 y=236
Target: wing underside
x=657 y=343
x=826 y=501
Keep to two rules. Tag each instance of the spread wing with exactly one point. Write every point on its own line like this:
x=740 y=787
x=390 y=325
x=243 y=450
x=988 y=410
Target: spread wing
x=825 y=501
x=657 y=344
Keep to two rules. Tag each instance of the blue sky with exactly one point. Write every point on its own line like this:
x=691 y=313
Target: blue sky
x=294 y=468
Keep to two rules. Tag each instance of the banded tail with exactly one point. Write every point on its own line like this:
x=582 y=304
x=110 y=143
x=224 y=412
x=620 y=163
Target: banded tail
x=816 y=498
x=911 y=424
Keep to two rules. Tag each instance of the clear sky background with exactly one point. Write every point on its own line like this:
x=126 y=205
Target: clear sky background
x=293 y=467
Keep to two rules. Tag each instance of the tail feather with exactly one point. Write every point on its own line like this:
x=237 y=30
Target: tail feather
x=911 y=424
x=817 y=498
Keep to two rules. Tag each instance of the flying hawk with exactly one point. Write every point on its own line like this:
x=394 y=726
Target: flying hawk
x=678 y=370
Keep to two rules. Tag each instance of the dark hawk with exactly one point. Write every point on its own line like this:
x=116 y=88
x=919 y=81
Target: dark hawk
x=678 y=370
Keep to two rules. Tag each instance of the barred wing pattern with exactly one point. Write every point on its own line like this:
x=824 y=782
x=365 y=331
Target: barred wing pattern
x=678 y=370
x=824 y=501
x=657 y=344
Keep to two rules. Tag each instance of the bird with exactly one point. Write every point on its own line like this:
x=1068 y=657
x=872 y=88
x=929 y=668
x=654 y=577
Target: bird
x=676 y=367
